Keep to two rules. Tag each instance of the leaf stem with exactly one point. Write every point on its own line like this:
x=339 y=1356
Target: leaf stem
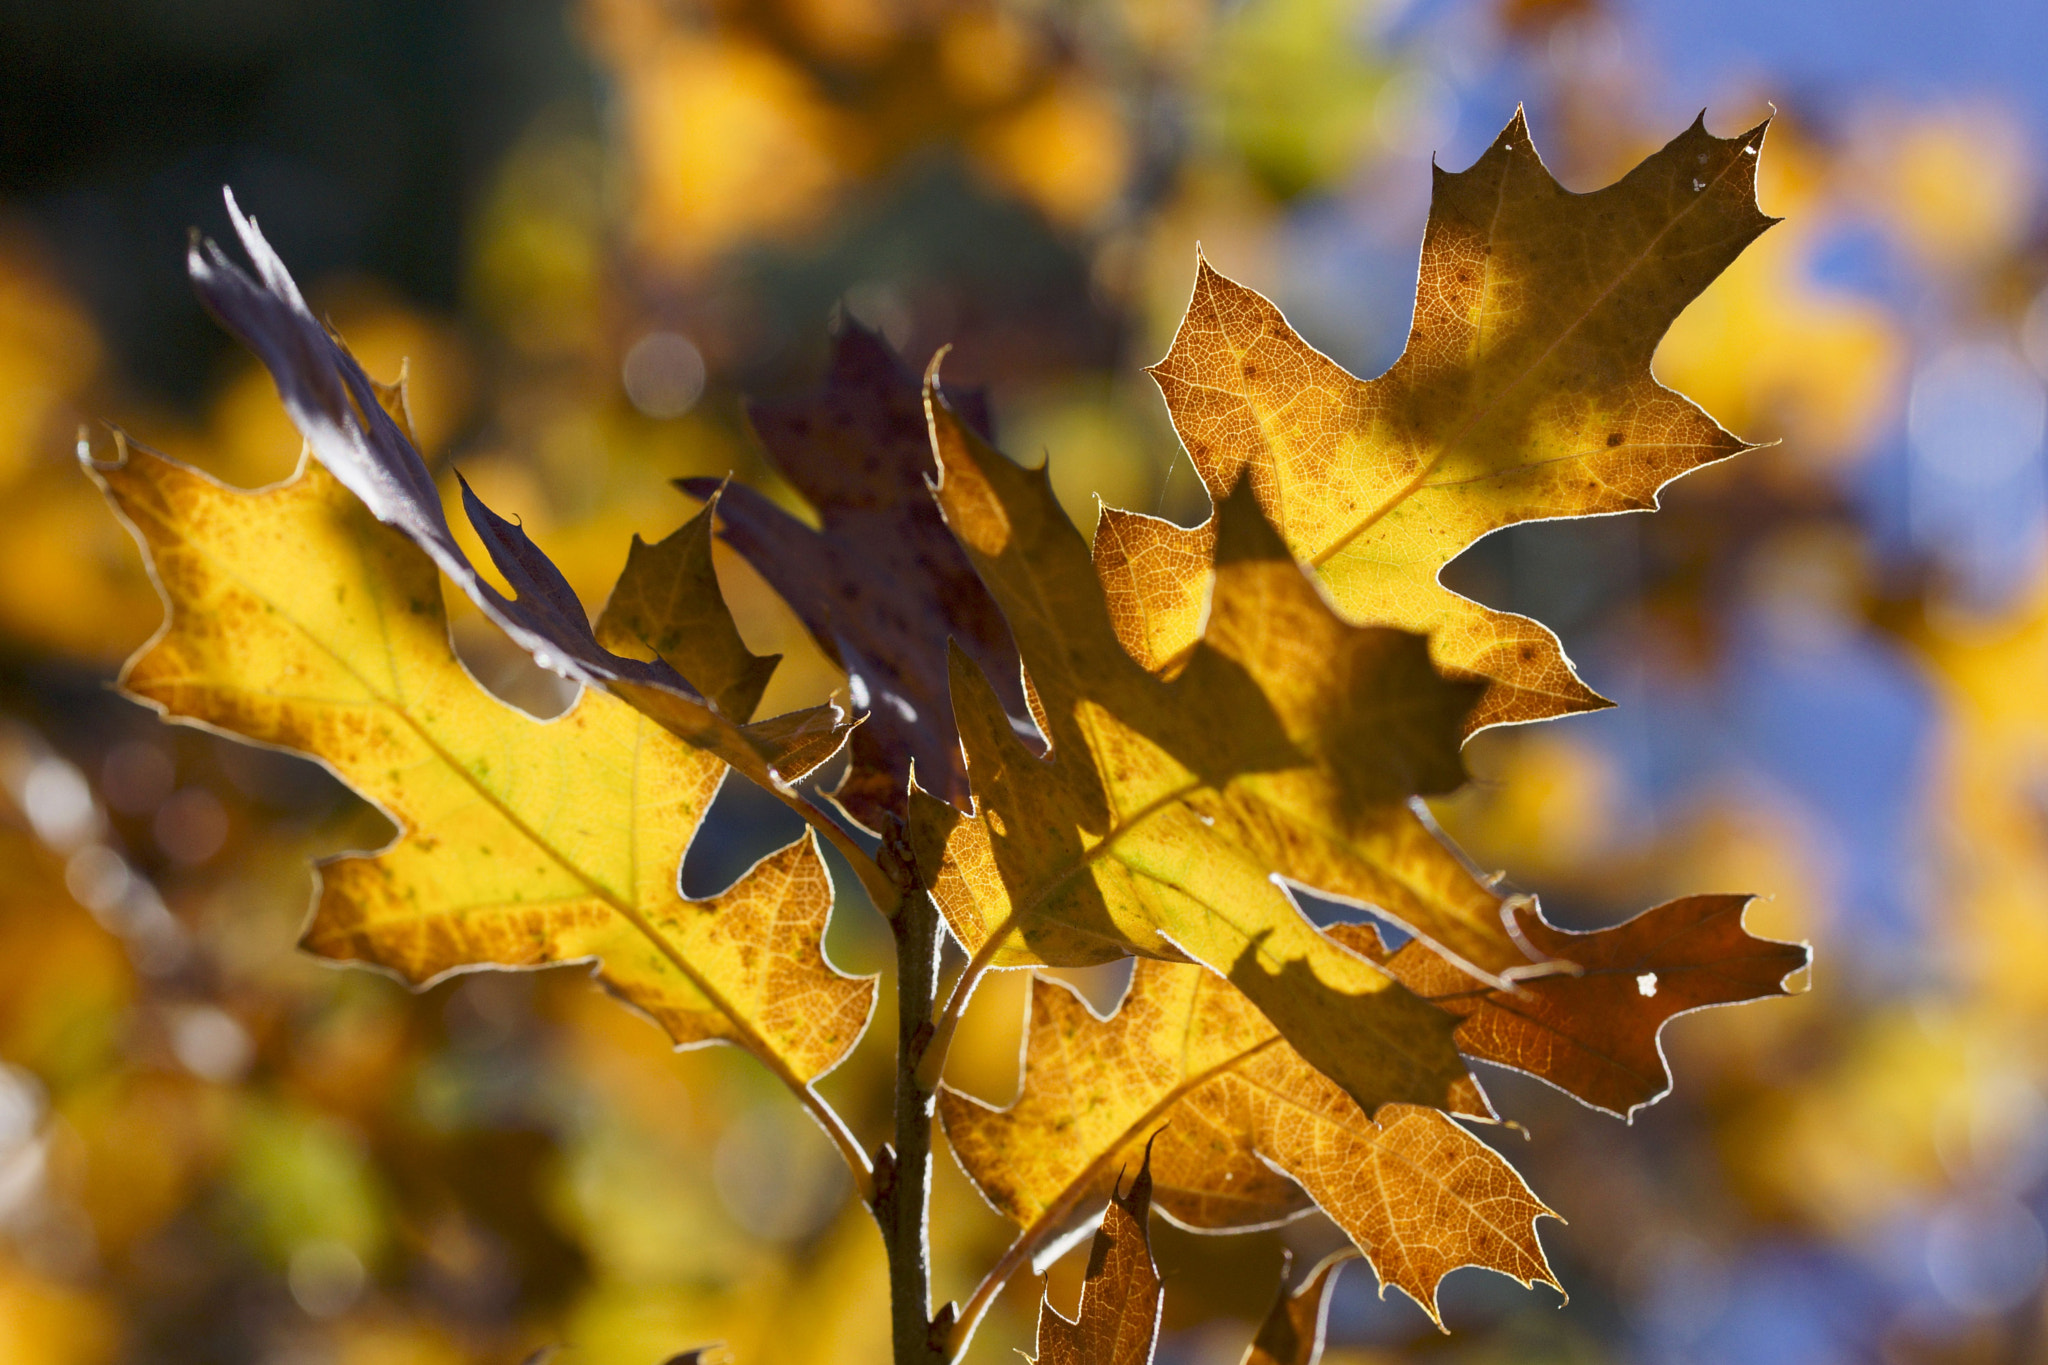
x=1013 y=1259
x=933 y=1059
x=850 y=1150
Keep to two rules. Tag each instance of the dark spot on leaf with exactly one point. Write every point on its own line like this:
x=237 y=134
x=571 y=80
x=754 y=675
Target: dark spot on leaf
x=1613 y=439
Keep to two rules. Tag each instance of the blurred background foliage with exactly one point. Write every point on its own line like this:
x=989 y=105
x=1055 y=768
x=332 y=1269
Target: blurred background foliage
x=591 y=228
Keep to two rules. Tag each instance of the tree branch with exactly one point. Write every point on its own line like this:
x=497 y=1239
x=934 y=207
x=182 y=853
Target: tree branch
x=903 y=1169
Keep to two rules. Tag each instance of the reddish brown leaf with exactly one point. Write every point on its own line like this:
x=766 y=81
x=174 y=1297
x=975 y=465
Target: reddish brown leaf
x=1594 y=1035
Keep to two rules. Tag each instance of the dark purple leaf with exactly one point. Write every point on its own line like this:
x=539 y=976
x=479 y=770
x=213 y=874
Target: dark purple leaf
x=881 y=585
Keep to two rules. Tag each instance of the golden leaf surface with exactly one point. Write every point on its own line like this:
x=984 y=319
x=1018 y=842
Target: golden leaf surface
x=1117 y=1322
x=1251 y=1134
x=1292 y=1333
x=668 y=601
x=1594 y=1033
x=1524 y=394
x=297 y=619
x=1164 y=813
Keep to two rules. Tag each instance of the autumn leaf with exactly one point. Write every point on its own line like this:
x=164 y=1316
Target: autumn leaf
x=1118 y=1319
x=296 y=619
x=349 y=425
x=1252 y=1135
x=1292 y=1333
x=1524 y=393
x=881 y=584
x=1594 y=1034
x=667 y=600
x=1291 y=745
x=354 y=427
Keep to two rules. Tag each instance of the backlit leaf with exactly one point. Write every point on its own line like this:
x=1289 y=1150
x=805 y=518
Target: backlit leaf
x=1118 y=1320
x=348 y=424
x=1291 y=745
x=296 y=619
x=1594 y=1034
x=881 y=584
x=1251 y=1135
x=1525 y=393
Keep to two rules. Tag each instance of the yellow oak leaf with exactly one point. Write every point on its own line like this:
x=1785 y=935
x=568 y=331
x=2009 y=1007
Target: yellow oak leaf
x=1166 y=813
x=1117 y=1322
x=1248 y=1134
x=1524 y=394
x=296 y=618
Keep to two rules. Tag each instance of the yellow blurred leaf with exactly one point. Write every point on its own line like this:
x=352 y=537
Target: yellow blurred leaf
x=96 y=606
x=53 y=1325
x=1066 y=152
x=48 y=352
x=729 y=141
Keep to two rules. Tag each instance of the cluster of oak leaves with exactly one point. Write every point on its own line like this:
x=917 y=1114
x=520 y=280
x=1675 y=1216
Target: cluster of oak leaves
x=1080 y=756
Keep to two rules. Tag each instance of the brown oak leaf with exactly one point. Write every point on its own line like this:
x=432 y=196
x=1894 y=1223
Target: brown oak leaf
x=1292 y=1333
x=1165 y=813
x=1118 y=1319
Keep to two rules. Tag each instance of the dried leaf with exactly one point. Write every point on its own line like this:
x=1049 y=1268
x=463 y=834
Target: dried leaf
x=1118 y=1320
x=1291 y=745
x=346 y=423
x=296 y=619
x=881 y=584
x=1251 y=1134
x=1594 y=1035
x=667 y=600
x=1525 y=393
x=1292 y=1333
